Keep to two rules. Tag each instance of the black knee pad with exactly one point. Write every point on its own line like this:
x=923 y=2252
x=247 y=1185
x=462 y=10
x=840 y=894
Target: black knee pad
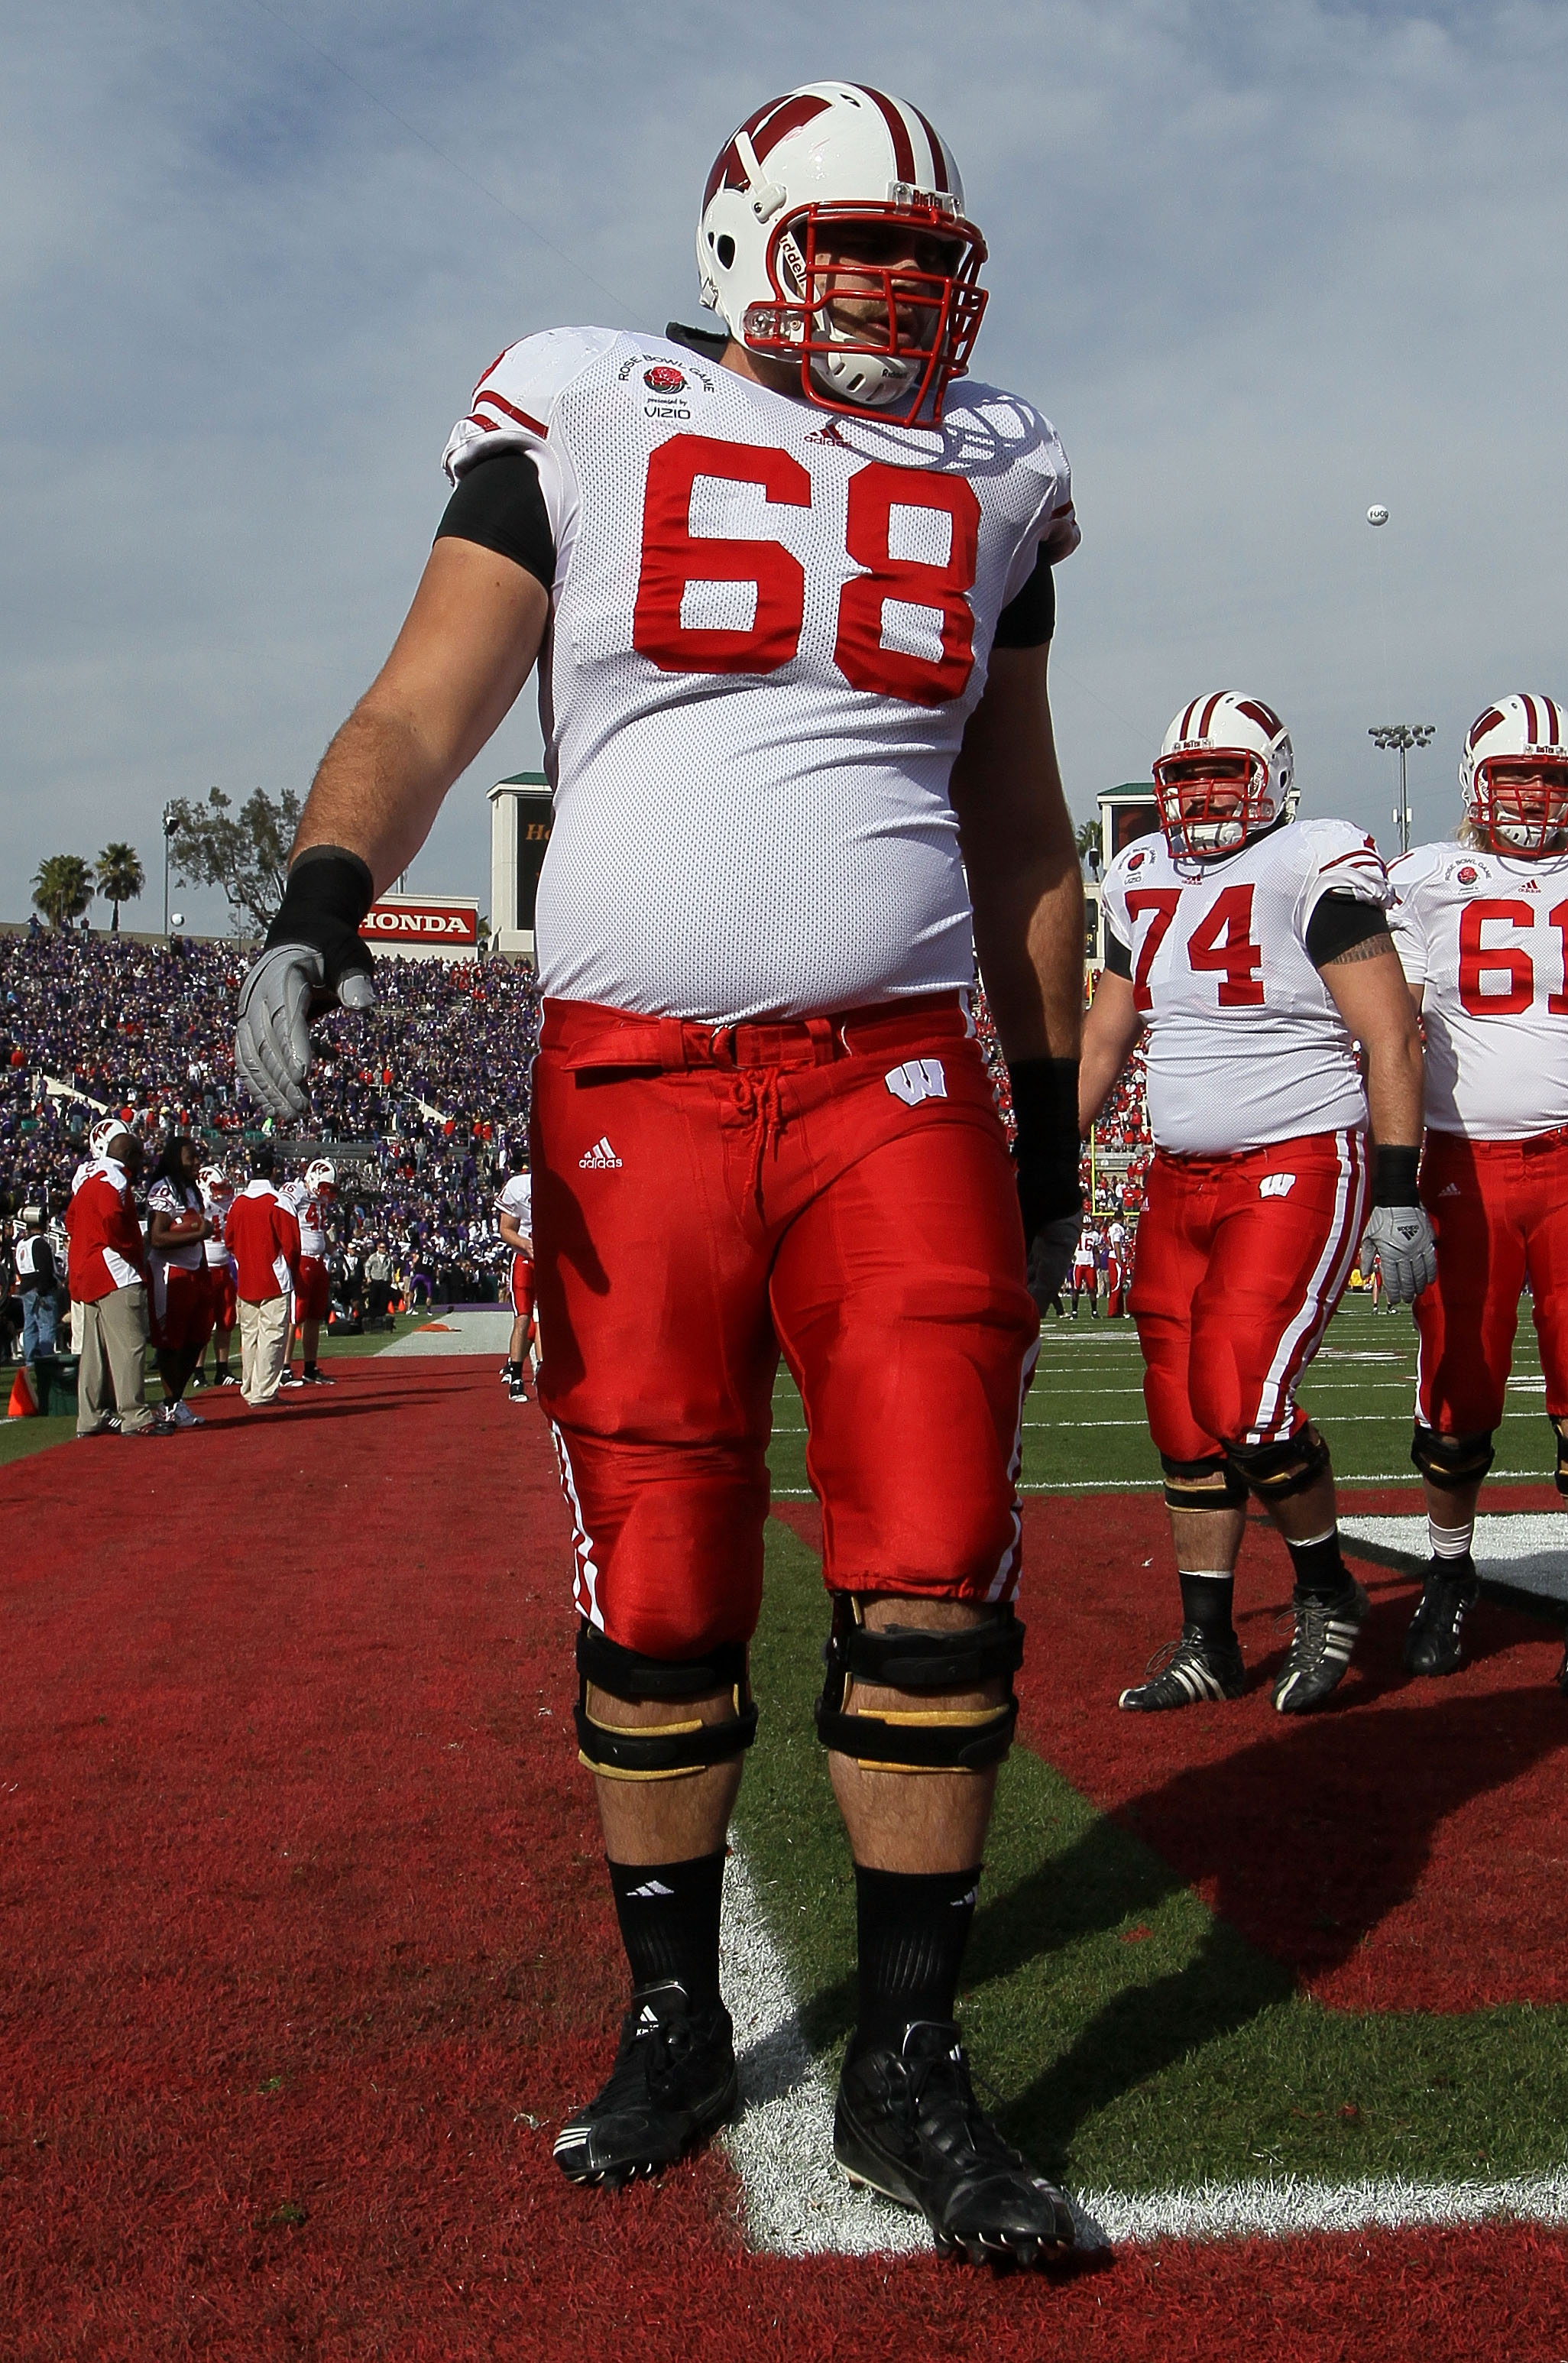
x=1452 y=1462
x=929 y=1738
x=1202 y=1484
x=1274 y=1472
x=660 y=1751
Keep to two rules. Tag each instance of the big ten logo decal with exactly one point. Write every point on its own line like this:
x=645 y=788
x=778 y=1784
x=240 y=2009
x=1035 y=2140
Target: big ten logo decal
x=756 y=627
x=917 y=1079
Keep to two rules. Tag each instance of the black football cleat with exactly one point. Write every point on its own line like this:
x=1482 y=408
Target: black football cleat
x=673 y=2084
x=909 y=2125
x=1321 y=1647
x=1434 y=1644
x=1192 y=1671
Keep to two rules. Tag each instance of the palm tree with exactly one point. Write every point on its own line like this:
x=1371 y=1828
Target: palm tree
x=1089 y=843
x=64 y=888
x=120 y=878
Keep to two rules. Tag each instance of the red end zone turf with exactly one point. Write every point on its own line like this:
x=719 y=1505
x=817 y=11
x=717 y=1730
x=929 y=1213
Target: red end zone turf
x=1400 y=1850
x=305 y=1950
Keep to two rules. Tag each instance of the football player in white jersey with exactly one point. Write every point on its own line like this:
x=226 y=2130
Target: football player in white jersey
x=791 y=580
x=515 y=1220
x=217 y=1197
x=1482 y=928
x=1254 y=950
x=309 y=1199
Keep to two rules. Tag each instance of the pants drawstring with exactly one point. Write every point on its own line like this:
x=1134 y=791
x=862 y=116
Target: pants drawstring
x=758 y=1100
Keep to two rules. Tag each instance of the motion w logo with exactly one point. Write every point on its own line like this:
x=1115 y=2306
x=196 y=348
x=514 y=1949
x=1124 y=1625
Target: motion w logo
x=917 y=1079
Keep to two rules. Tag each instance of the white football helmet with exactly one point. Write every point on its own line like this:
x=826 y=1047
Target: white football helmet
x=1224 y=774
x=322 y=1177
x=831 y=166
x=214 y=1182
x=107 y=1129
x=1513 y=775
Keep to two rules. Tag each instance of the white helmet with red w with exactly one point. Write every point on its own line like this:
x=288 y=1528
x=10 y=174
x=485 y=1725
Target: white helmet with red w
x=108 y=1130
x=1513 y=775
x=322 y=1177
x=1224 y=774
x=214 y=1182
x=832 y=233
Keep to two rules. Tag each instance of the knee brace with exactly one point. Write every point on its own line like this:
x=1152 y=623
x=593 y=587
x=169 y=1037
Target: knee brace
x=905 y=1658
x=1201 y=1484
x=660 y=1751
x=1452 y=1462
x=1274 y=1472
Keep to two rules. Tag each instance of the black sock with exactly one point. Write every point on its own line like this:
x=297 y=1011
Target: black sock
x=1320 y=1572
x=1206 y=1602
x=669 y=1921
x=914 y=1926
x=310 y=1370
x=515 y=1369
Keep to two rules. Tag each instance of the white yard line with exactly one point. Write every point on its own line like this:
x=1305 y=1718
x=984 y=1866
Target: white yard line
x=798 y=2202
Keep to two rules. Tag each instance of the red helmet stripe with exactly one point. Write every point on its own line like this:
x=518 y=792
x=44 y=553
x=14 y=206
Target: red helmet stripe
x=938 y=161
x=1532 y=727
x=903 y=146
x=1209 y=713
x=794 y=112
x=1555 y=718
x=1184 y=730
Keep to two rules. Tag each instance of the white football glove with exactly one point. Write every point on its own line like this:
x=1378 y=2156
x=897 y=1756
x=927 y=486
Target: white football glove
x=1050 y=1256
x=1401 y=1238
x=271 y=1042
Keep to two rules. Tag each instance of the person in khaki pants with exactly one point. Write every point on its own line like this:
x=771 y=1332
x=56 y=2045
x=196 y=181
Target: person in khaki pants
x=108 y=1274
x=263 y=1237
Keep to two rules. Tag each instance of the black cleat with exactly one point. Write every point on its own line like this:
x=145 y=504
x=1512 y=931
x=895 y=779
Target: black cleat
x=1186 y=1672
x=1321 y=1647
x=1433 y=1645
x=672 y=2084
x=909 y=2125
x=517 y=1392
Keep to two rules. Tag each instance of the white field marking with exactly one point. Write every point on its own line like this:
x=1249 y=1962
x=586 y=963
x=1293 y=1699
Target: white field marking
x=1528 y=1548
x=797 y=2202
x=483 y=1330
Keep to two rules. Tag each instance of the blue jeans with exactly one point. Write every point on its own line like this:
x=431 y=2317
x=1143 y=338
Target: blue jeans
x=38 y=1323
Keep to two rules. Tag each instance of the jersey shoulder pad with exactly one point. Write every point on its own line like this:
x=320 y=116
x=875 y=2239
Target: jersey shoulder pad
x=163 y=1196
x=994 y=430
x=1340 y=858
x=1409 y=870
x=515 y=402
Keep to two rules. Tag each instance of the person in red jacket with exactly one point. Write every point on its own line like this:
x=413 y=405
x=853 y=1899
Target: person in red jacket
x=263 y=1237
x=108 y=1274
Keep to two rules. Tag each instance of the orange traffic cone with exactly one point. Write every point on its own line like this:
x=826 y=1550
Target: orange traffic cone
x=24 y=1404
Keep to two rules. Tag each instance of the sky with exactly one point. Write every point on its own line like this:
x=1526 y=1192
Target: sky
x=1264 y=264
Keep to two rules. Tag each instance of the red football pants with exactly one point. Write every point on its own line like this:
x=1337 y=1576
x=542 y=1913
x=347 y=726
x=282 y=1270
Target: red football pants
x=313 y=1289
x=523 y=1287
x=1239 y=1260
x=839 y=1188
x=1501 y=1211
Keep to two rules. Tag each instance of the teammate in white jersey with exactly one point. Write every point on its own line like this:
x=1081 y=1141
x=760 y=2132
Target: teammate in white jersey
x=515 y=1220
x=309 y=1200
x=791 y=580
x=1253 y=951
x=217 y=1197
x=1482 y=928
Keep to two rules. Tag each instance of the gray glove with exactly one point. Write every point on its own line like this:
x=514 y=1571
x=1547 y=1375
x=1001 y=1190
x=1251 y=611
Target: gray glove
x=1050 y=1256
x=271 y=1043
x=1401 y=1238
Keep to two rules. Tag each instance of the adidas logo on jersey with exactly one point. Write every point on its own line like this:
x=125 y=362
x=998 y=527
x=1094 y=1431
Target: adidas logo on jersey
x=917 y=1079
x=829 y=434
x=601 y=1157
x=1452 y=1190
x=1276 y=1185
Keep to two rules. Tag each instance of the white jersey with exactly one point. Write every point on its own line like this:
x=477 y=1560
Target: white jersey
x=216 y=1212
x=769 y=625
x=165 y=1197
x=1245 y=1045
x=516 y=1199
x=305 y=1207
x=1485 y=936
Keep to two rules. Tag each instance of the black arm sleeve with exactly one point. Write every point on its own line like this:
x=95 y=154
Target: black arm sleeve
x=1118 y=956
x=1029 y=616
x=1338 y=923
x=499 y=506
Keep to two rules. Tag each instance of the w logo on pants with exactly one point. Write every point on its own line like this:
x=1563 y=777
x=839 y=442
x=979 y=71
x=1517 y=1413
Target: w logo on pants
x=917 y=1079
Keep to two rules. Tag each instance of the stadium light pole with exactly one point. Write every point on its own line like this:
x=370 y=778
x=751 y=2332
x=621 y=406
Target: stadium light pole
x=167 y=827
x=1402 y=736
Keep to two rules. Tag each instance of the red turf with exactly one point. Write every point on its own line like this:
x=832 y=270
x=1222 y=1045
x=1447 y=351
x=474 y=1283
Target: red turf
x=305 y=1950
